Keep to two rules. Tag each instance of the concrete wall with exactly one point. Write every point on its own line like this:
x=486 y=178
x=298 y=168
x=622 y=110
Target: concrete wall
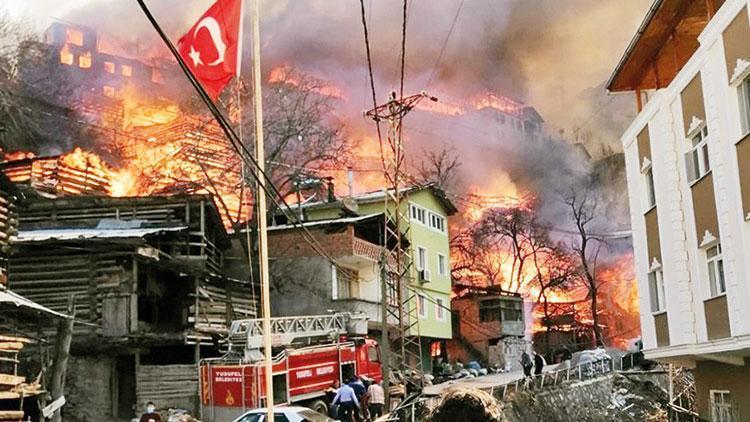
x=720 y=376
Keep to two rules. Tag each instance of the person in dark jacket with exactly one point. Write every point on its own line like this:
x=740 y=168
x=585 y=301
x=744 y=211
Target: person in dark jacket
x=526 y=364
x=150 y=414
x=538 y=363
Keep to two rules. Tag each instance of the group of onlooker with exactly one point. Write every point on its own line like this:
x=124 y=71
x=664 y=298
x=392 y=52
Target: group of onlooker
x=360 y=400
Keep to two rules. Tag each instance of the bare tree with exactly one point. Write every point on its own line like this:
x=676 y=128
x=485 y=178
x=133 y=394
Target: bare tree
x=303 y=136
x=26 y=119
x=474 y=261
x=582 y=203
x=439 y=168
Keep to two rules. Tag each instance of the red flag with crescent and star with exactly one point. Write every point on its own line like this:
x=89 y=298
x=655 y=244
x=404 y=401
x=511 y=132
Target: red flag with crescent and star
x=211 y=47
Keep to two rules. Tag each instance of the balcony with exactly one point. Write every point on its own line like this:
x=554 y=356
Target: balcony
x=361 y=254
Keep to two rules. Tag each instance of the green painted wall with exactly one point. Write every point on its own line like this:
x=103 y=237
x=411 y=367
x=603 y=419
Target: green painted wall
x=433 y=241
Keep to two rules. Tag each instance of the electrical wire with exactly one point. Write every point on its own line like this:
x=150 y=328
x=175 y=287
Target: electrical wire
x=273 y=193
x=372 y=77
x=445 y=44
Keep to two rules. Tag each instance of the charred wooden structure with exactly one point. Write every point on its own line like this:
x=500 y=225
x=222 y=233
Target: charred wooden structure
x=147 y=278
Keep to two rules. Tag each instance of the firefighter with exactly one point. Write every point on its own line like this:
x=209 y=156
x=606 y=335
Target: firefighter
x=348 y=403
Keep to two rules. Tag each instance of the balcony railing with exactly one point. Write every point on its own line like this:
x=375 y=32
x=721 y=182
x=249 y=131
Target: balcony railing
x=365 y=249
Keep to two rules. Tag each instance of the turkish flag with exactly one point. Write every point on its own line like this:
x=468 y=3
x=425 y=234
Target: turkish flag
x=210 y=48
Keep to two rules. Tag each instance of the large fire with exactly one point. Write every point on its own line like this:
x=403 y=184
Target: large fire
x=493 y=264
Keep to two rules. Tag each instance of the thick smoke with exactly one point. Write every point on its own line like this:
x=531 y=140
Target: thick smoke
x=553 y=55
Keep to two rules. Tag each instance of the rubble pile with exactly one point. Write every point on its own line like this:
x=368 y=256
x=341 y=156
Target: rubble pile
x=615 y=397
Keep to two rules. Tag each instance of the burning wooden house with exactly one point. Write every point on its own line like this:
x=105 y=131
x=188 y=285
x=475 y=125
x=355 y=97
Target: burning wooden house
x=146 y=276
x=490 y=326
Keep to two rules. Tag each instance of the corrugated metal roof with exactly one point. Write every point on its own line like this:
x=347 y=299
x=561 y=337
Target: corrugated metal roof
x=7 y=296
x=42 y=235
x=326 y=222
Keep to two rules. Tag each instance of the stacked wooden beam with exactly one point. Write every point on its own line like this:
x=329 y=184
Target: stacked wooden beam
x=215 y=306
x=13 y=387
x=75 y=173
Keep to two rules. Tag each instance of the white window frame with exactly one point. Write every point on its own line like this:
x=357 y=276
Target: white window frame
x=419 y=214
x=442 y=261
x=721 y=410
x=743 y=92
x=717 y=282
x=440 y=309
x=421 y=306
x=656 y=290
x=437 y=222
x=697 y=160
x=648 y=176
x=421 y=266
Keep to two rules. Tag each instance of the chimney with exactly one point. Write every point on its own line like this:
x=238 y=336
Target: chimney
x=350 y=180
x=331 y=192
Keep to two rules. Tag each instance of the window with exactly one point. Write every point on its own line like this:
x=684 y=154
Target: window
x=437 y=222
x=126 y=70
x=372 y=354
x=697 y=158
x=66 y=56
x=74 y=36
x=109 y=91
x=442 y=264
x=419 y=214
x=650 y=191
x=721 y=406
x=109 y=67
x=421 y=306
x=421 y=258
x=392 y=295
x=656 y=289
x=156 y=76
x=744 y=92
x=500 y=310
x=716 y=271
x=344 y=283
x=84 y=60
x=440 y=309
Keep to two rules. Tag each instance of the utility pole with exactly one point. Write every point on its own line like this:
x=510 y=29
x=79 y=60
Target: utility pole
x=262 y=234
x=398 y=298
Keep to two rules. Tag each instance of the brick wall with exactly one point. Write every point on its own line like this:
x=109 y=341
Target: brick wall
x=291 y=243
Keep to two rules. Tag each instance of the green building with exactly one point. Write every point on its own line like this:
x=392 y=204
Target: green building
x=428 y=210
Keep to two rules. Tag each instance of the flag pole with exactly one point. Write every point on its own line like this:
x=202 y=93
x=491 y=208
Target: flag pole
x=262 y=235
x=260 y=169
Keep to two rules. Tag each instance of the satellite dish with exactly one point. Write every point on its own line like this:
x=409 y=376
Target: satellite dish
x=350 y=206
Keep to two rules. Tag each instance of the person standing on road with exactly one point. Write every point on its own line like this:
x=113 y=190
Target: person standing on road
x=526 y=364
x=538 y=363
x=348 y=403
x=150 y=414
x=377 y=399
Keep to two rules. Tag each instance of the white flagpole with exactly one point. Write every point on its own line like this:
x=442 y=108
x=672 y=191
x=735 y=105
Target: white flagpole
x=262 y=235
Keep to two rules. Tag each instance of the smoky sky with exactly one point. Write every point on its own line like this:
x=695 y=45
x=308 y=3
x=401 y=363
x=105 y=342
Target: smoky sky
x=554 y=55
x=541 y=52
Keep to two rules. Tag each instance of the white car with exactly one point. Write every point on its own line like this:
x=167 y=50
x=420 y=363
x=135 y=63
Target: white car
x=284 y=414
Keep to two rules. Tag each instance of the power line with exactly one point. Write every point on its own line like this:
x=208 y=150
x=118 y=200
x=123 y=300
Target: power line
x=445 y=43
x=372 y=78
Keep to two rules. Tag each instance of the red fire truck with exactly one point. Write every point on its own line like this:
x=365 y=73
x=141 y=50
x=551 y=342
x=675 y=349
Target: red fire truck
x=310 y=353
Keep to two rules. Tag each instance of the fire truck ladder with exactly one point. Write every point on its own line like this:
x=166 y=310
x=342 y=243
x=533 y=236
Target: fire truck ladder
x=400 y=312
x=246 y=335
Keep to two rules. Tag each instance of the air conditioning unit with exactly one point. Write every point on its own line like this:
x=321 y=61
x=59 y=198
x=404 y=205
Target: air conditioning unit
x=425 y=276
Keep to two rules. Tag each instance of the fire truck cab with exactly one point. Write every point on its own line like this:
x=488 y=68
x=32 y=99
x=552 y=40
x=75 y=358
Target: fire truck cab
x=235 y=383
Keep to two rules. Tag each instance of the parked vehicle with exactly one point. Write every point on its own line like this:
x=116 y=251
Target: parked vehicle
x=284 y=414
x=232 y=384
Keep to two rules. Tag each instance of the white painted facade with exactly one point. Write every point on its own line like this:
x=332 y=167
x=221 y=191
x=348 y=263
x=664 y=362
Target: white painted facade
x=684 y=262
